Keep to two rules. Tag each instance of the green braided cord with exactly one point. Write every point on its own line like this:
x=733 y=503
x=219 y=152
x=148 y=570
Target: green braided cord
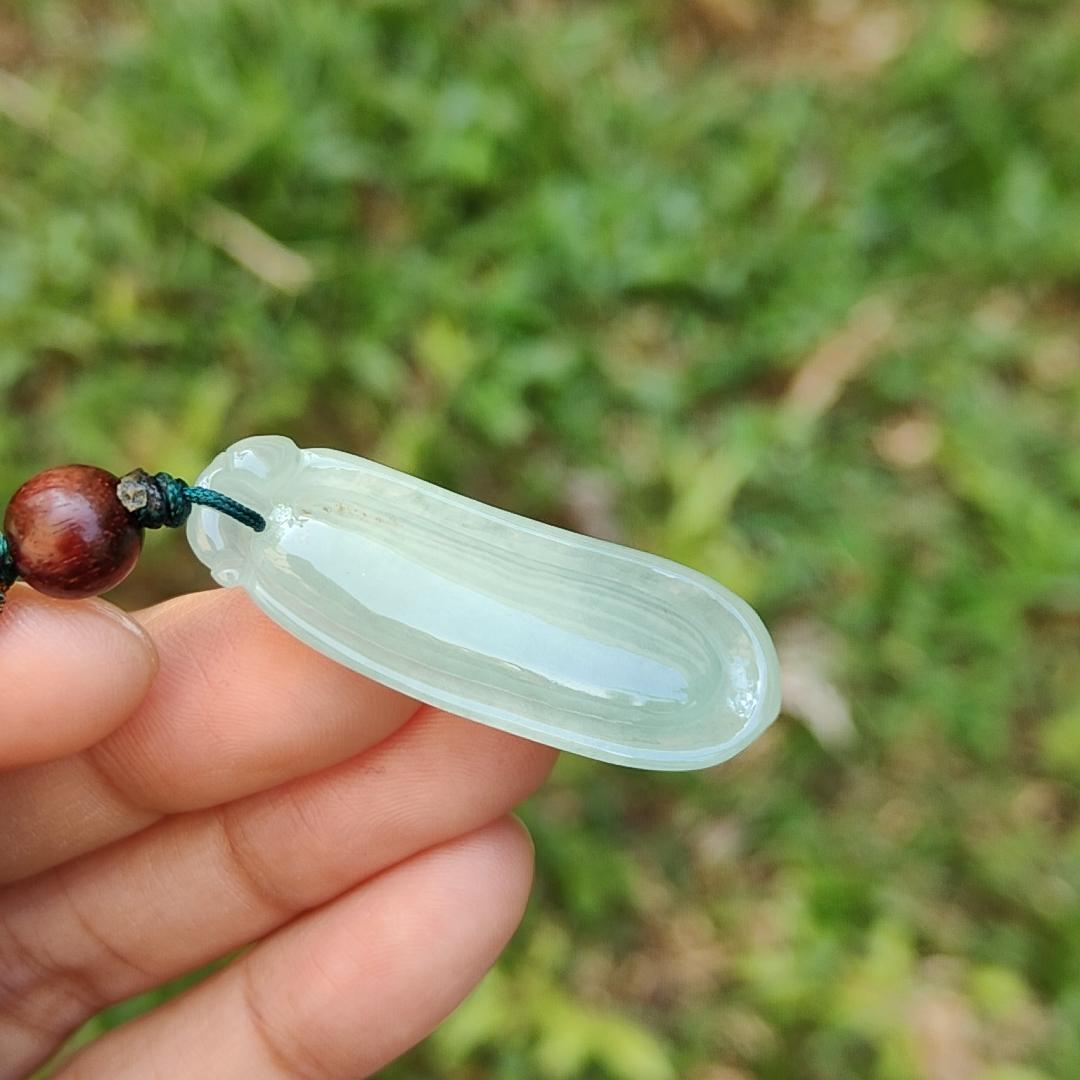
x=216 y=501
x=8 y=573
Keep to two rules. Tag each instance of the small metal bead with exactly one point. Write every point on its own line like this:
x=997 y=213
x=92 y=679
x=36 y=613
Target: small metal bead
x=69 y=535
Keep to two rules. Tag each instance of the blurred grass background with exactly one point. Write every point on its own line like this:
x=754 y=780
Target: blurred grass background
x=785 y=289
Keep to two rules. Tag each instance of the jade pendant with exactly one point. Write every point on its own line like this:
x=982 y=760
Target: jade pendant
x=574 y=642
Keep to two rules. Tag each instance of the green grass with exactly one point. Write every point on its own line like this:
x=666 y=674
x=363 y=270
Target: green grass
x=789 y=291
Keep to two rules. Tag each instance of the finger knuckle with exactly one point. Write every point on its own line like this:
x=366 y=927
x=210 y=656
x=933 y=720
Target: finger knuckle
x=39 y=994
x=257 y=880
x=292 y=1057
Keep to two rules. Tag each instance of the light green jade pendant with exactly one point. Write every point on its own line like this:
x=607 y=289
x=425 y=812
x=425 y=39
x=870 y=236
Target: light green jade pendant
x=567 y=640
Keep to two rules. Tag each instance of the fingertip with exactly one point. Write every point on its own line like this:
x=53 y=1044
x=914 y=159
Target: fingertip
x=490 y=871
x=70 y=673
x=400 y=951
x=129 y=625
x=518 y=864
x=526 y=836
x=513 y=848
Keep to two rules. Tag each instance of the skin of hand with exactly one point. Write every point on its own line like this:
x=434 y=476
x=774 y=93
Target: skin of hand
x=185 y=781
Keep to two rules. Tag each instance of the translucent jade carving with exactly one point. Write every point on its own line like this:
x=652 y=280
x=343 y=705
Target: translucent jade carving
x=571 y=641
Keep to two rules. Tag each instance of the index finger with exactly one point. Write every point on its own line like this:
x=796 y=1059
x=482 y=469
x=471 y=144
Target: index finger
x=71 y=672
x=238 y=706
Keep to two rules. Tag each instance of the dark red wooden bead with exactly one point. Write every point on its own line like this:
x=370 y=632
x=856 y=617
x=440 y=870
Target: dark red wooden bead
x=69 y=534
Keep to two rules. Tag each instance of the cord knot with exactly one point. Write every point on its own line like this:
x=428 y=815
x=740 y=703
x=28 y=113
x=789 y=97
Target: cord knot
x=164 y=501
x=156 y=502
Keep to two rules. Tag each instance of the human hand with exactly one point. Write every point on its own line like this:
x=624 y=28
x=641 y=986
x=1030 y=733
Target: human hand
x=180 y=783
